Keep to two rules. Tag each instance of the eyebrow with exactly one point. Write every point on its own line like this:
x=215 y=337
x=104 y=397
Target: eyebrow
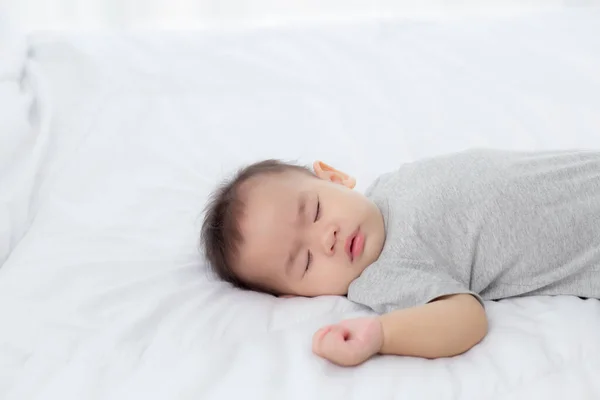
x=296 y=247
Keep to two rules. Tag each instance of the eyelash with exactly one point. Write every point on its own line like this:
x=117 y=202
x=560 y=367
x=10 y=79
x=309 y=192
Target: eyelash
x=308 y=261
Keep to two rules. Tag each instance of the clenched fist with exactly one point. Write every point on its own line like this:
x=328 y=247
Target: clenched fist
x=349 y=342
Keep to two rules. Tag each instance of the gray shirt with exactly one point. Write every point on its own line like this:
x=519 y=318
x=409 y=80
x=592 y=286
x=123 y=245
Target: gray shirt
x=495 y=224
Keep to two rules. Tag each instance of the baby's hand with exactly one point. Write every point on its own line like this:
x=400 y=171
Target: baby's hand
x=349 y=342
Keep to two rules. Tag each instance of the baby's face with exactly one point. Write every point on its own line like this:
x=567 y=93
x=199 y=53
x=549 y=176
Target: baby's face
x=307 y=236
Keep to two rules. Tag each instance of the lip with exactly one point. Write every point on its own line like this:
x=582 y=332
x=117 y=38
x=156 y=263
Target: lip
x=354 y=251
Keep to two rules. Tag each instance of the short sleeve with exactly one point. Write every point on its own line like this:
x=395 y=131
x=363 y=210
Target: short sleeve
x=385 y=287
x=412 y=268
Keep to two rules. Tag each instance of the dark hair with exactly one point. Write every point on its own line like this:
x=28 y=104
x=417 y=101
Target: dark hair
x=221 y=236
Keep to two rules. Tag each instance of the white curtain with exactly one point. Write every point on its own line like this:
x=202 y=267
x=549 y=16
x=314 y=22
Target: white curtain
x=199 y=14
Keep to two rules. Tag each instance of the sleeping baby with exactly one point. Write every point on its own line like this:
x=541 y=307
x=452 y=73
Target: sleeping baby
x=425 y=246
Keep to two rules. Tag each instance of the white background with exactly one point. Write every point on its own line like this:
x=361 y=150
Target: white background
x=201 y=14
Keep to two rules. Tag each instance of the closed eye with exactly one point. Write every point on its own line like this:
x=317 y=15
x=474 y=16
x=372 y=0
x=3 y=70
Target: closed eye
x=308 y=261
x=318 y=213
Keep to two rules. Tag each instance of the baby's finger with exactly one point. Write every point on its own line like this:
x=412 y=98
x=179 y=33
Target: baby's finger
x=340 y=349
x=318 y=338
x=319 y=334
x=334 y=346
x=332 y=331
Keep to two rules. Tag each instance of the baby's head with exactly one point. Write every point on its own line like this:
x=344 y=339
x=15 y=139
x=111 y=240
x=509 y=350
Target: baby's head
x=282 y=229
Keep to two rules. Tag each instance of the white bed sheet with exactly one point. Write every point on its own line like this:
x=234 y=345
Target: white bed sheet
x=16 y=137
x=105 y=297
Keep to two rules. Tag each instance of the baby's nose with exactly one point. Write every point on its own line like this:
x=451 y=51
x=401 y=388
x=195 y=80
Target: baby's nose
x=330 y=240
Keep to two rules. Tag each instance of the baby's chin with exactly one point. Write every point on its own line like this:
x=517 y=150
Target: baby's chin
x=322 y=288
x=338 y=291
x=321 y=292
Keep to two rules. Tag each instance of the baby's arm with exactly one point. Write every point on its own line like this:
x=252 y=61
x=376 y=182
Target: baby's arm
x=445 y=327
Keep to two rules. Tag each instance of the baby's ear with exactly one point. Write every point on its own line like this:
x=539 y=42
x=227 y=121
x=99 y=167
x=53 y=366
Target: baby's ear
x=331 y=174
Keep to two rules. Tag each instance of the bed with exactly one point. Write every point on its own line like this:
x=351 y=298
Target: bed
x=116 y=140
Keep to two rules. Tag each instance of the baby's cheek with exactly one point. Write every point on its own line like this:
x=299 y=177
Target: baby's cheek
x=334 y=282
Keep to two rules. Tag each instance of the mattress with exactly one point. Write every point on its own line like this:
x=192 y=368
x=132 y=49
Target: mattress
x=106 y=295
